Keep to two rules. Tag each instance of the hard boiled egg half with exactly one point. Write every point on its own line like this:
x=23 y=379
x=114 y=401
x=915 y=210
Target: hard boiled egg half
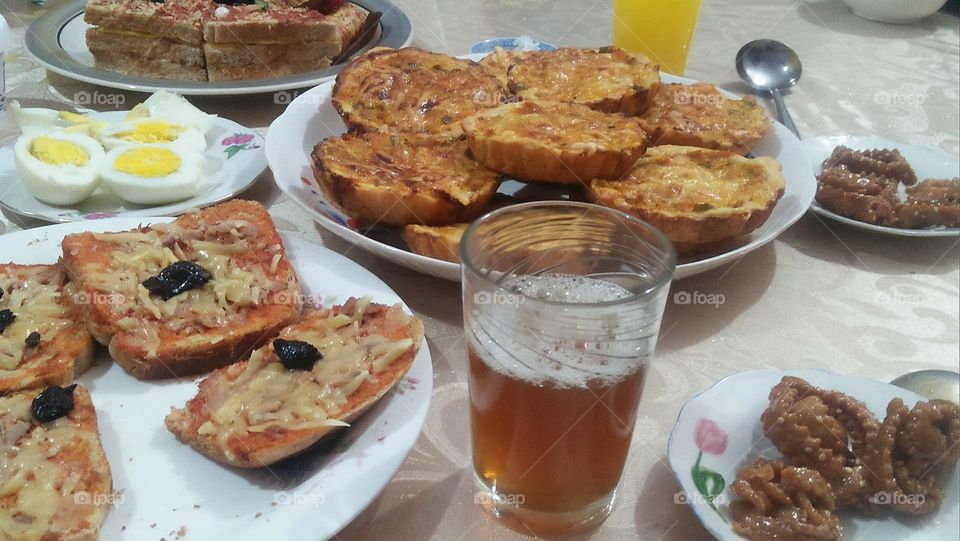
x=57 y=167
x=152 y=174
x=153 y=131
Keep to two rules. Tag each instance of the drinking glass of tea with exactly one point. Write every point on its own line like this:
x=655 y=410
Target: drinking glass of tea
x=562 y=303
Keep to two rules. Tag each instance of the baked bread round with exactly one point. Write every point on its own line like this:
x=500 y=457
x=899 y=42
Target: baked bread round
x=554 y=141
x=606 y=79
x=412 y=90
x=699 y=115
x=390 y=179
x=696 y=196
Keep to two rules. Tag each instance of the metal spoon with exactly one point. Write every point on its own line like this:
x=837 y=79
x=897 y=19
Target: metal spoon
x=771 y=66
x=942 y=384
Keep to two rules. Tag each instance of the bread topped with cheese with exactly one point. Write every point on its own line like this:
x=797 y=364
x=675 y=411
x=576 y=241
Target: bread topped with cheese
x=394 y=179
x=55 y=481
x=413 y=91
x=315 y=377
x=554 y=141
x=696 y=196
x=699 y=115
x=606 y=79
x=188 y=296
x=202 y=40
x=43 y=338
x=438 y=241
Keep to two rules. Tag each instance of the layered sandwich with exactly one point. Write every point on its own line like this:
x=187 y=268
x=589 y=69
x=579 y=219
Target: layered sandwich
x=204 y=40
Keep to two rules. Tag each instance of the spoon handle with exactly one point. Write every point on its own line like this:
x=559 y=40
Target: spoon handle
x=783 y=113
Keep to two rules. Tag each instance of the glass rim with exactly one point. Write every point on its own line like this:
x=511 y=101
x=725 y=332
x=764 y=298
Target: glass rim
x=660 y=278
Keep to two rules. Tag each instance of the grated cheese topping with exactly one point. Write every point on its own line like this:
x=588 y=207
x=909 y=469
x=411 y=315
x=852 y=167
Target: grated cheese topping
x=235 y=286
x=33 y=294
x=41 y=496
x=266 y=395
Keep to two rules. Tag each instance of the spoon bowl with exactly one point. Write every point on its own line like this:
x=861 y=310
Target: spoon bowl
x=933 y=384
x=766 y=64
x=770 y=66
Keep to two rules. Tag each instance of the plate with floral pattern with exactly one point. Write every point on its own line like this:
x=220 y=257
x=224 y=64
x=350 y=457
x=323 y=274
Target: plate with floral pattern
x=234 y=160
x=718 y=431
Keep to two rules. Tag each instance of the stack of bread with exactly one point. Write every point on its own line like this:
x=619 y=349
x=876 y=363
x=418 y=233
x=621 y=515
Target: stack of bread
x=204 y=40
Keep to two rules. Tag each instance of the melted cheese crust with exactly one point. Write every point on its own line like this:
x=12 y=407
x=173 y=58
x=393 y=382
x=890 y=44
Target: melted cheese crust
x=411 y=90
x=36 y=295
x=693 y=182
x=406 y=165
x=229 y=250
x=564 y=126
x=700 y=115
x=262 y=395
x=582 y=75
x=45 y=475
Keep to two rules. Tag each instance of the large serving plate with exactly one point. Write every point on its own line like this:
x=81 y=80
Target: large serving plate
x=163 y=485
x=731 y=410
x=311 y=118
x=57 y=41
x=926 y=162
x=233 y=161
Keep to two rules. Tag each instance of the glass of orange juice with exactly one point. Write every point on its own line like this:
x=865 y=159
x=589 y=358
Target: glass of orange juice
x=660 y=29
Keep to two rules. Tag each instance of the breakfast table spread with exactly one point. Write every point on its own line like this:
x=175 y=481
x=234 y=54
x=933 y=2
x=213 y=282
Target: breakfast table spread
x=822 y=295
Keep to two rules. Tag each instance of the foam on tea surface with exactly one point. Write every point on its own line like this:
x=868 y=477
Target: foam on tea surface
x=575 y=344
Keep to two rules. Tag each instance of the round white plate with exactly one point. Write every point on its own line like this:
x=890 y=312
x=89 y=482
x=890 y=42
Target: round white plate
x=733 y=407
x=234 y=160
x=926 y=162
x=311 y=118
x=163 y=485
x=57 y=41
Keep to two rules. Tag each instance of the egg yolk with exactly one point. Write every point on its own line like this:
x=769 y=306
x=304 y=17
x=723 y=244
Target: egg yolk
x=151 y=132
x=58 y=152
x=147 y=162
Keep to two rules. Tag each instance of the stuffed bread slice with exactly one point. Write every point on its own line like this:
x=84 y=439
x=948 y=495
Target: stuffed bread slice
x=317 y=376
x=55 y=481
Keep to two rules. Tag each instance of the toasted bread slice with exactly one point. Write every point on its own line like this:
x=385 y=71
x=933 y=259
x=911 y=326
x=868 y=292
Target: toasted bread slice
x=391 y=179
x=439 y=242
x=238 y=61
x=124 y=62
x=694 y=195
x=554 y=141
x=699 y=115
x=257 y=412
x=48 y=343
x=178 y=20
x=140 y=56
x=412 y=90
x=55 y=479
x=606 y=79
x=252 y=44
x=279 y=23
x=253 y=292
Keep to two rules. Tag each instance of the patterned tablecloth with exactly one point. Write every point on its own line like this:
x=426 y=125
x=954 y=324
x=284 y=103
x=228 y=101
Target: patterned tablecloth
x=822 y=295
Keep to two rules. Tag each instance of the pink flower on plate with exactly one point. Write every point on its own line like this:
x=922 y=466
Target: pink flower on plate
x=237 y=139
x=710 y=438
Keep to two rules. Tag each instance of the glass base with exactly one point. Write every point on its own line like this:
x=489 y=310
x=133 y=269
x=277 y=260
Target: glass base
x=532 y=522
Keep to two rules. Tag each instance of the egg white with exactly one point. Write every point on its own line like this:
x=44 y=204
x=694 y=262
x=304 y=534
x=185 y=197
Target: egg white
x=189 y=138
x=176 y=186
x=66 y=184
x=175 y=108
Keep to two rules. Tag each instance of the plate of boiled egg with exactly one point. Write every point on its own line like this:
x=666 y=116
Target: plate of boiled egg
x=161 y=158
